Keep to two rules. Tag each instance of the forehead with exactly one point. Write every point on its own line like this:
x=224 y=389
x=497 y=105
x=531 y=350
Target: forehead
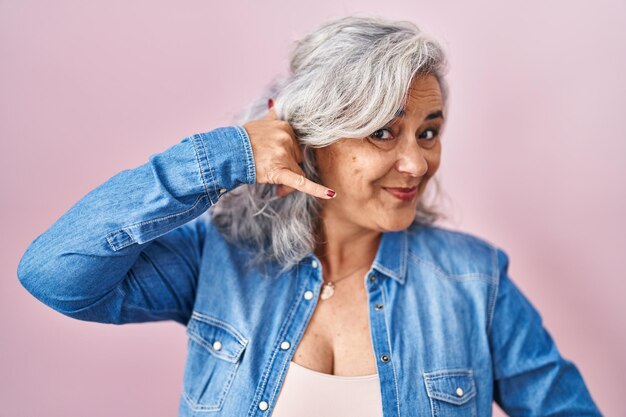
x=424 y=94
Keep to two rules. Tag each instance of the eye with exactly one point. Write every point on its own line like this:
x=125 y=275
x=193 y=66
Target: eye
x=379 y=134
x=434 y=134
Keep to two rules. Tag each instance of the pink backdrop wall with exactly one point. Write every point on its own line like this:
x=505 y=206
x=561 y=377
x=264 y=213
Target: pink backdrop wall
x=532 y=160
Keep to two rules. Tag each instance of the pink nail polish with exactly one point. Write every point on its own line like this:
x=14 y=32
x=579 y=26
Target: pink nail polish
x=270 y=103
x=330 y=193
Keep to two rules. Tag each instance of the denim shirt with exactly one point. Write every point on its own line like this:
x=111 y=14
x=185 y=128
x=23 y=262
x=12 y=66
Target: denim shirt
x=450 y=330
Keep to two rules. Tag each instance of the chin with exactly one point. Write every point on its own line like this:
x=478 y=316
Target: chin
x=395 y=224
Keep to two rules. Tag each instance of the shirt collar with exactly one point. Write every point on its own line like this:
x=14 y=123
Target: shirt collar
x=391 y=257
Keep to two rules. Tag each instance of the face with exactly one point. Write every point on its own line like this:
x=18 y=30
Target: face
x=379 y=179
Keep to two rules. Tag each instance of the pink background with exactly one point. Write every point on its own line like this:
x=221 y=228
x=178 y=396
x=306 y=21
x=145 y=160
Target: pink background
x=533 y=161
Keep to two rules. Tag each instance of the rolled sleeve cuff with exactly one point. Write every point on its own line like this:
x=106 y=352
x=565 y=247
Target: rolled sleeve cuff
x=225 y=159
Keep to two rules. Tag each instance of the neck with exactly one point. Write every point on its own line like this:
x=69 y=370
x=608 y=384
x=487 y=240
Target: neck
x=345 y=246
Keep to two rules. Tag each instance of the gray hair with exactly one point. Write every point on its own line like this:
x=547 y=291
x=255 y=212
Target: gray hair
x=347 y=78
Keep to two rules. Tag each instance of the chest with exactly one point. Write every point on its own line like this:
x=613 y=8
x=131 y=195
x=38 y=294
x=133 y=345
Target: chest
x=337 y=339
x=427 y=327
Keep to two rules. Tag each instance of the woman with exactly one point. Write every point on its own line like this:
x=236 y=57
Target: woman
x=297 y=249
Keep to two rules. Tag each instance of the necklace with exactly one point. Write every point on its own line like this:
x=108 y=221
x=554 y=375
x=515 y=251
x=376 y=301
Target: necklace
x=328 y=289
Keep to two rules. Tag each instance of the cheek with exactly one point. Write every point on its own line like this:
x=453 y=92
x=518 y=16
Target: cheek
x=363 y=176
x=356 y=174
x=433 y=167
x=356 y=170
x=434 y=160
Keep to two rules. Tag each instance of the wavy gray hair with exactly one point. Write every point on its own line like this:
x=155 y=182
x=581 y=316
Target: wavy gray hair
x=347 y=79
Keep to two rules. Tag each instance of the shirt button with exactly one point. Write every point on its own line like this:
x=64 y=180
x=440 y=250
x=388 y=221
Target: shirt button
x=285 y=345
x=372 y=277
x=217 y=345
x=263 y=405
x=459 y=392
x=378 y=307
x=384 y=358
x=308 y=295
x=314 y=263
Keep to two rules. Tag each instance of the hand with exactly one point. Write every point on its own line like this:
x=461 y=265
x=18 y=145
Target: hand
x=277 y=154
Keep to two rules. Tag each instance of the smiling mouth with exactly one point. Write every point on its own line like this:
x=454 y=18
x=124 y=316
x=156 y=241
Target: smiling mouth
x=404 y=194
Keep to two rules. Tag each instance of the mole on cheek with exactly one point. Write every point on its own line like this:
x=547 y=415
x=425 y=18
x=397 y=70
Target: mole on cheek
x=356 y=170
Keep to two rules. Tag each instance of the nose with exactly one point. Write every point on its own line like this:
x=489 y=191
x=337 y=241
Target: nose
x=411 y=160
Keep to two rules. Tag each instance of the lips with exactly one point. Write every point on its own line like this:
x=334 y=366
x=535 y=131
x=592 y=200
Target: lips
x=404 y=194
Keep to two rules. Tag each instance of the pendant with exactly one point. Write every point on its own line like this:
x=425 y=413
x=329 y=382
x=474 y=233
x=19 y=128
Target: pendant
x=328 y=289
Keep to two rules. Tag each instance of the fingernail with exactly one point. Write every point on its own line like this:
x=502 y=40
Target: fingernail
x=270 y=103
x=330 y=193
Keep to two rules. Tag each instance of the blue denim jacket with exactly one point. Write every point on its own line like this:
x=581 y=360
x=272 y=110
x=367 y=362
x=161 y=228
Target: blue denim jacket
x=450 y=330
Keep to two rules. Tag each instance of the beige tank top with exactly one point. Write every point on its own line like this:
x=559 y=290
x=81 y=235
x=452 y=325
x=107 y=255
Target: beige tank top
x=308 y=393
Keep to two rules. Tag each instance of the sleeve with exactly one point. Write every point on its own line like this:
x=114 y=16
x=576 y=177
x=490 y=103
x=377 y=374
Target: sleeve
x=531 y=378
x=130 y=250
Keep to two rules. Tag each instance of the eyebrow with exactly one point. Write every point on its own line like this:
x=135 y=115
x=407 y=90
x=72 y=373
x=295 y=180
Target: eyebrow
x=434 y=115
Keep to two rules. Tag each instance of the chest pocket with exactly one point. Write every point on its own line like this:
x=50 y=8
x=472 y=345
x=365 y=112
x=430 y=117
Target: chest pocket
x=214 y=352
x=452 y=392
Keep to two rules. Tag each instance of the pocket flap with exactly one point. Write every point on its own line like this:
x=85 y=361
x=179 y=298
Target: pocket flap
x=219 y=338
x=455 y=386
